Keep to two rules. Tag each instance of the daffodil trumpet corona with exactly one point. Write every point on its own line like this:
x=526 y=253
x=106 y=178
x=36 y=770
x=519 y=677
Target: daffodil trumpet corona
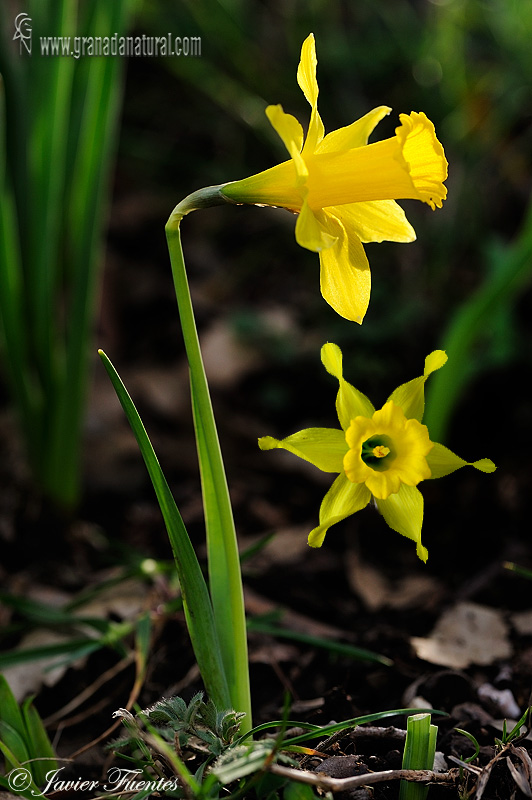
x=342 y=189
x=381 y=454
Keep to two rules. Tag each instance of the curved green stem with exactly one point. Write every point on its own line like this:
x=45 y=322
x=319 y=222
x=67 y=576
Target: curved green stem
x=225 y=577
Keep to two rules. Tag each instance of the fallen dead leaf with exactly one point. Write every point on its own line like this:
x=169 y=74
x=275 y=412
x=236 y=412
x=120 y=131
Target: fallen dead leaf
x=125 y=600
x=29 y=677
x=377 y=592
x=466 y=634
x=522 y=622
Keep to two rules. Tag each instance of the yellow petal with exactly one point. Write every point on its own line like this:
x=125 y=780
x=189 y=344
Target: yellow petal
x=403 y=512
x=344 y=275
x=310 y=233
x=306 y=71
x=350 y=403
x=322 y=447
x=342 y=500
x=291 y=132
x=410 y=397
x=354 y=135
x=410 y=164
x=376 y=221
x=443 y=461
x=306 y=78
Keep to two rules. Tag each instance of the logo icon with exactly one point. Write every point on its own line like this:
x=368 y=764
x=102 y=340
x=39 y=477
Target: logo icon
x=23 y=31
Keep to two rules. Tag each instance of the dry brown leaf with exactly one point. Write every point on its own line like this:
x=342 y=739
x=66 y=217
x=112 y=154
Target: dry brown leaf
x=377 y=592
x=466 y=634
x=522 y=622
x=28 y=677
x=126 y=600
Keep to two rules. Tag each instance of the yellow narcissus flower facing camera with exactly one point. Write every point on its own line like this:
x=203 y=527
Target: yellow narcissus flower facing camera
x=381 y=454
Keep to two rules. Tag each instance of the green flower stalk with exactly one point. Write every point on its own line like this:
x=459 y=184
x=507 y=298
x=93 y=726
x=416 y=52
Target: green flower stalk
x=225 y=578
x=381 y=455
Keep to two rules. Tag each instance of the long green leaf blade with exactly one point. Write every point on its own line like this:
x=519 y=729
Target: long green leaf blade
x=196 y=600
x=39 y=746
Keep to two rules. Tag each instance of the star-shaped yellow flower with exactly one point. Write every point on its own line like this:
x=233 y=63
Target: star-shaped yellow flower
x=344 y=189
x=382 y=454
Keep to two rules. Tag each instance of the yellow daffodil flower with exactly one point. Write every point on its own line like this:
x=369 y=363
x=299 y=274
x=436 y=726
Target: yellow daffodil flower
x=380 y=454
x=344 y=189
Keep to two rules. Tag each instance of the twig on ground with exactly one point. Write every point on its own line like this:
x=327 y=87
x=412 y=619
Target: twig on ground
x=343 y=784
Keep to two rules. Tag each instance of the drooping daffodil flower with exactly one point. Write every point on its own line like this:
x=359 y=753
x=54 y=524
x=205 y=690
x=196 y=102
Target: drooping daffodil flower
x=380 y=454
x=344 y=189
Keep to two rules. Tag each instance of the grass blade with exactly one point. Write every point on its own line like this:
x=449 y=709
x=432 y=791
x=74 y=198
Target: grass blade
x=315 y=641
x=319 y=732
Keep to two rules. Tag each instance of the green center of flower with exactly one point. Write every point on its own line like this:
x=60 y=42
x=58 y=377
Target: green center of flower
x=378 y=452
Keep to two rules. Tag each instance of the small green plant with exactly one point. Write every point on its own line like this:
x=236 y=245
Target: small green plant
x=214 y=729
x=197 y=726
x=515 y=732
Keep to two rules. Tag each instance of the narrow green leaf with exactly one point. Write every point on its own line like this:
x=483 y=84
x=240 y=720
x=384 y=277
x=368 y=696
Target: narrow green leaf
x=196 y=600
x=12 y=762
x=516 y=730
x=39 y=746
x=326 y=644
x=9 y=708
x=524 y=573
x=77 y=647
x=473 y=741
x=317 y=731
x=94 y=111
x=242 y=761
x=15 y=741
